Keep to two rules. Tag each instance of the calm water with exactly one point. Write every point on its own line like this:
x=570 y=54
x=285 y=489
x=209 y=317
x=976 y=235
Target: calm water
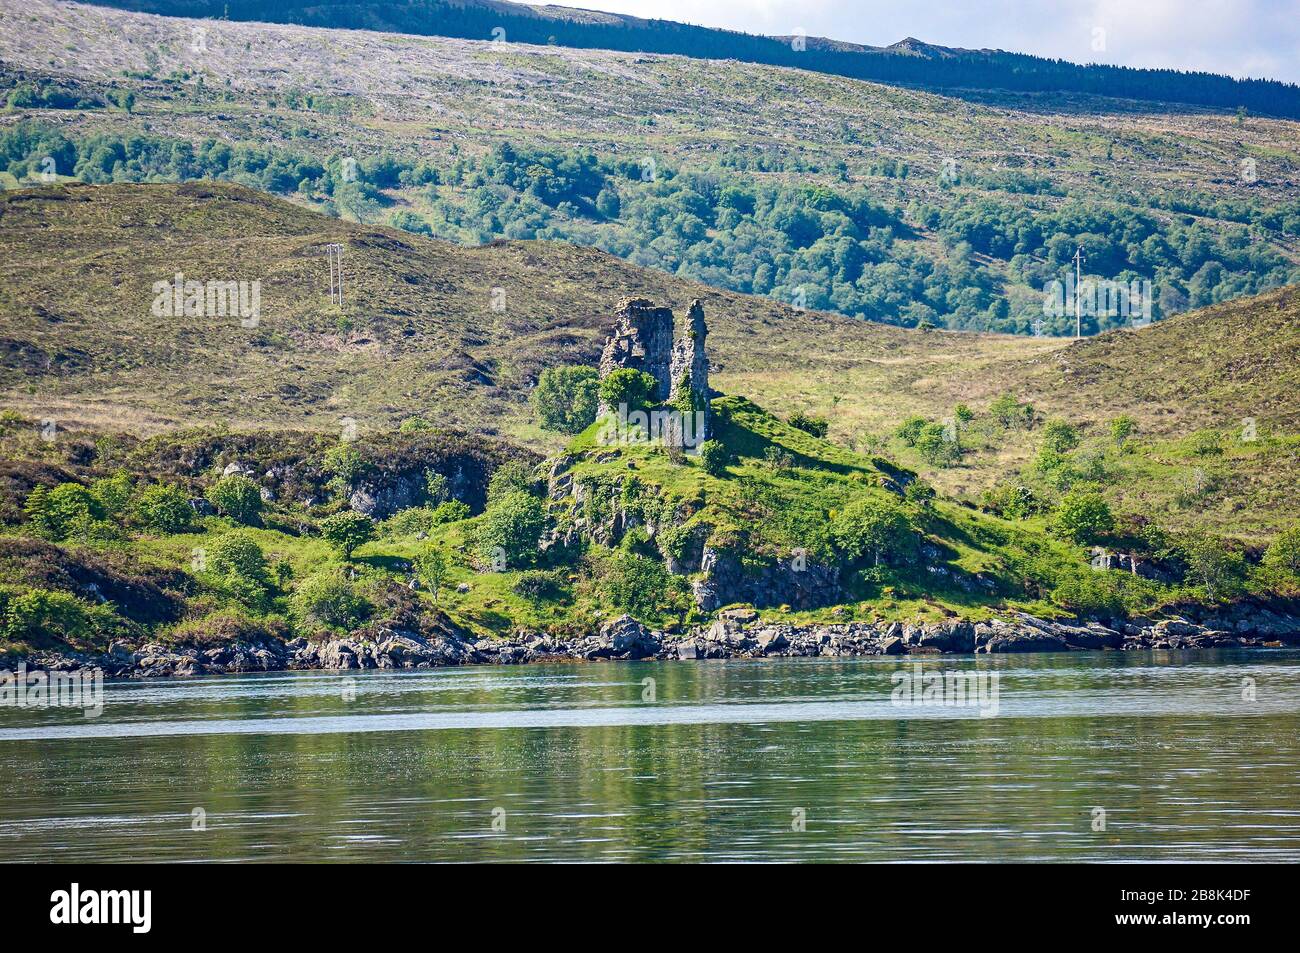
x=721 y=765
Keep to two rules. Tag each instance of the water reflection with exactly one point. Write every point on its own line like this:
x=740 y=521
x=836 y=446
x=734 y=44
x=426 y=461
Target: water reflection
x=567 y=762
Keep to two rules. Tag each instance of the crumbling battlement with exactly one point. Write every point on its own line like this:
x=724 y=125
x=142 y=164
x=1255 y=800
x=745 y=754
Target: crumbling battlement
x=643 y=341
x=646 y=339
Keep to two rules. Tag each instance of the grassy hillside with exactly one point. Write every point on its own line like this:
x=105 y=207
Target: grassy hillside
x=418 y=333
x=103 y=537
x=875 y=201
x=419 y=337
x=104 y=533
x=104 y=545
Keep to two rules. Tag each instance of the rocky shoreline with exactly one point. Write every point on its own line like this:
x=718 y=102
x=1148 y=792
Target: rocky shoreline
x=736 y=634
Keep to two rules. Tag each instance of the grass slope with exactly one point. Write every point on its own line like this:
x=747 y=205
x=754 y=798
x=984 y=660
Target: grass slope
x=419 y=336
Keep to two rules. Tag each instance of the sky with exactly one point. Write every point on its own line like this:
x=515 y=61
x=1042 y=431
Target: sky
x=1256 y=38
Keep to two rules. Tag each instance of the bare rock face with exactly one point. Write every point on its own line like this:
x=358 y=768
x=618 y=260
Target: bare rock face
x=643 y=341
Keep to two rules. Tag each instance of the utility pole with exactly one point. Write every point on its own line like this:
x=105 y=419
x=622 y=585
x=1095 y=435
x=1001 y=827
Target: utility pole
x=1078 y=300
x=335 y=254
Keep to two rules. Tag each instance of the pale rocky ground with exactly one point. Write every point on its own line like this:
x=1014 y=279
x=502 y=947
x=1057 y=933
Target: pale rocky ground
x=422 y=93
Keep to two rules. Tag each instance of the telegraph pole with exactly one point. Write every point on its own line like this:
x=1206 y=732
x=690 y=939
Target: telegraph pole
x=1078 y=300
x=335 y=254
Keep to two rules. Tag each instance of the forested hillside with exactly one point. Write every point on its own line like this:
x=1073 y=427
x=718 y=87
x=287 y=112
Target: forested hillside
x=887 y=204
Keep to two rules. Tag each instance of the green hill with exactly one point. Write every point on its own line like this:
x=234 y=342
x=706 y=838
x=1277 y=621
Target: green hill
x=887 y=203
x=955 y=475
x=419 y=337
x=418 y=333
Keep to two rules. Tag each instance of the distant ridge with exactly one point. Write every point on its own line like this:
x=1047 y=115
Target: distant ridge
x=909 y=62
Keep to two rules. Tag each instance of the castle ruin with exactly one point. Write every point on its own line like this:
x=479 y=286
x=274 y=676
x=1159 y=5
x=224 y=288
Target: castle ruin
x=646 y=339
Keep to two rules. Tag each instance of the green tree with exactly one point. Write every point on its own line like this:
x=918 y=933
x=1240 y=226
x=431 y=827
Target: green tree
x=1010 y=500
x=164 y=508
x=114 y=493
x=713 y=458
x=607 y=203
x=513 y=476
x=1283 y=553
x=909 y=431
x=1060 y=436
x=240 y=565
x=37 y=510
x=511 y=527
x=36 y=615
x=67 y=510
x=637 y=584
x=1211 y=565
x=937 y=446
x=436 y=487
x=872 y=527
x=629 y=387
x=1122 y=428
x=1055 y=467
x=346 y=465
x=453 y=511
x=236 y=553
x=347 y=530
x=432 y=566
x=1009 y=412
x=1083 y=517
x=326 y=598
x=538 y=584
x=565 y=398
x=237 y=497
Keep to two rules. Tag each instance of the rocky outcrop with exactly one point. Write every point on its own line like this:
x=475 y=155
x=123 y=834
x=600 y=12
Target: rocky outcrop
x=389 y=649
x=947 y=637
x=794 y=581
x=396 y=471
x=735 y=633
x=628 y=638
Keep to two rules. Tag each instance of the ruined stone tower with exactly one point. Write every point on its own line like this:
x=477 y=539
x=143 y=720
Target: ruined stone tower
x=645 y=339
x=689 y=368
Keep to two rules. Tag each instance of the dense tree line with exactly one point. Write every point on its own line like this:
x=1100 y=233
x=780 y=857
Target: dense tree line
x=807 y=245
x=966 y=69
